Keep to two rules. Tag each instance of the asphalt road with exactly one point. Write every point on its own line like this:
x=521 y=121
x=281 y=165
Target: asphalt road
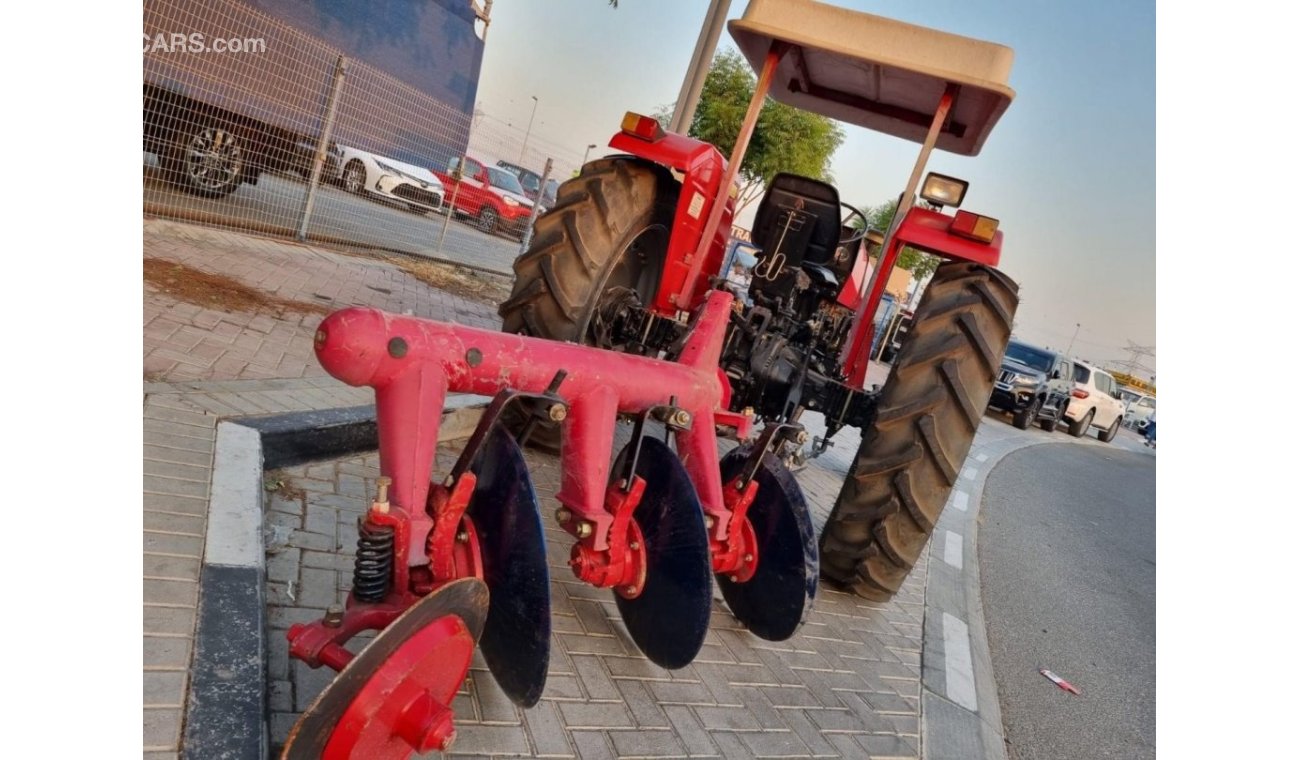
x=277 y=200
x=1067 y=550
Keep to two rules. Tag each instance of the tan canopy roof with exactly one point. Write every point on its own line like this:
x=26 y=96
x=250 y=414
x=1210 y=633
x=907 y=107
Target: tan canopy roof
x=878 y=73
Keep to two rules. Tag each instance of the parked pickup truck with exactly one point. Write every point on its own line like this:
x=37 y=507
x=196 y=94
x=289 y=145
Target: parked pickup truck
x=211 y=151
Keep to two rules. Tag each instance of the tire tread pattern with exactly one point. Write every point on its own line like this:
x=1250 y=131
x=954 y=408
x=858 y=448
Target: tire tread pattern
x=928 y=412
x=575 y=245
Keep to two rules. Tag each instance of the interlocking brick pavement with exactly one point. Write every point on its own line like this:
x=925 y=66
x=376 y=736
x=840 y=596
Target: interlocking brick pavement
x=847 y=685
x=178 y=450
x=184 y=341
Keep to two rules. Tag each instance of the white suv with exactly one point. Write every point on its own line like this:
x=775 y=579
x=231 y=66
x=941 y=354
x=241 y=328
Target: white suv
x=1094 y=402
x=1138 y=410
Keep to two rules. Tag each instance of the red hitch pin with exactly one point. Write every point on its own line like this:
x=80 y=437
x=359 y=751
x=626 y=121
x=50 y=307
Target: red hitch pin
x=1064 y=684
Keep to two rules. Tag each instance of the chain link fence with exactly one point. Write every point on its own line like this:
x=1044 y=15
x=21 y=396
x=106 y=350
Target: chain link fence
x=253 y=124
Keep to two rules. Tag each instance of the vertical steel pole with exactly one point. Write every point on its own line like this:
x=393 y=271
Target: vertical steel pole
x=529 y=131
x=457 y=176
x=1070 y=348
x=537 y=205
x=733 y=167
x=862 y=320
x=701 y=62
x=322 y=145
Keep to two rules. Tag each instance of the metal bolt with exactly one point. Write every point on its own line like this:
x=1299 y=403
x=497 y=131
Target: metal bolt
x=563 y=515
x=333 y=616
x=473 y=357
x=634 y=546
x=748 y=411
x=629 y=589
x=462 y=536
x=397 y=348
x=749 y=558
x=321 y=337
x=381 y=484
x=801 y=438
x=558 y=412
x=735 y=579
x=584 y=529
x=681 y=418
x=708 y=521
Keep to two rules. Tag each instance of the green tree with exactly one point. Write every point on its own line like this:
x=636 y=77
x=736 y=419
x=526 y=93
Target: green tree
x=786 y=139
x=919 y=263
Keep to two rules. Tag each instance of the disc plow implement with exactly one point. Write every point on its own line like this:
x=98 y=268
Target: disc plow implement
x=444 y=563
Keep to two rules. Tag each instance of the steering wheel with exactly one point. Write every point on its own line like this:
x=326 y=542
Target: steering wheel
x=857 y=234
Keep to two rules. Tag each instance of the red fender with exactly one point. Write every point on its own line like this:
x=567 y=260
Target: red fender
x=702 y=166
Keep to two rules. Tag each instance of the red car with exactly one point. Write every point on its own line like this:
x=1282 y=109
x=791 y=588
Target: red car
x=489 y=194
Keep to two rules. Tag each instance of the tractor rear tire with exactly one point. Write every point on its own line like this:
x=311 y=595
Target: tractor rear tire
x=927 y=415
x=580 y=249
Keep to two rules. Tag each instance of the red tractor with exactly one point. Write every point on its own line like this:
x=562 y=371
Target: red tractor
x=620 y=311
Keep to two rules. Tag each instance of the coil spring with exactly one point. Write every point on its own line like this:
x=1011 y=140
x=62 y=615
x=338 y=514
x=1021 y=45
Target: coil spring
x=374 y=566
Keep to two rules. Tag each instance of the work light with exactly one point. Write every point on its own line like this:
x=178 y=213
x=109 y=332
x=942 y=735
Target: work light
x=942 y=190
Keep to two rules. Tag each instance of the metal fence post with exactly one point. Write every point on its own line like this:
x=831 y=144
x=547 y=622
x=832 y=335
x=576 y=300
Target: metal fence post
x=458 y=176
x=537 y=204
x=322 y=145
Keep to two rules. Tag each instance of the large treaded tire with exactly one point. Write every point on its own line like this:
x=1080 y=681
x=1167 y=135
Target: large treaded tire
x=578 y=252
x=577 y=244
x=926 y=418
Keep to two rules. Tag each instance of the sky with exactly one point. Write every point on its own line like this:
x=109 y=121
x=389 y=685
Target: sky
x=1069 y=170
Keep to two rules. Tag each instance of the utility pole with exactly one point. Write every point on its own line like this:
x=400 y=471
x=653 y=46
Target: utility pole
x=529 y=131
x=693 y=84
x=587 y=153
x=1071 y=346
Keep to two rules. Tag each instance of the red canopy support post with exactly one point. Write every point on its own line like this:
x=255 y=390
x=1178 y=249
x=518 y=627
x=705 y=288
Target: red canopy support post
x=859 y=347
x=685 y=295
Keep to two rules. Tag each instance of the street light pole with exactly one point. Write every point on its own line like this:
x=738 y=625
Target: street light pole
x=1076 y=334
x=698 y=70
x=587 y=153
x=528 y=131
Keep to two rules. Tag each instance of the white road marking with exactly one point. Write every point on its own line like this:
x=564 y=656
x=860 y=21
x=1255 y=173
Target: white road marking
x=981 y=457
x=952 y=549
x=960 y=500
x=969 y=473
x=959 y=675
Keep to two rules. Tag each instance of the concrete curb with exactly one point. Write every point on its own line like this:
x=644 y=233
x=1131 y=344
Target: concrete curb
x=961 y=716
x=227 y=695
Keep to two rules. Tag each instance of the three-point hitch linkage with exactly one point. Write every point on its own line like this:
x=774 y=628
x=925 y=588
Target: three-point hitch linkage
x=443 y=564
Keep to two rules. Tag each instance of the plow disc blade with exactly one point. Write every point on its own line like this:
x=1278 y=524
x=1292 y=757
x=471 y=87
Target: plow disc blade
x=774 y=603
x=670 y=617
x=389 y=701
x=516 y=641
